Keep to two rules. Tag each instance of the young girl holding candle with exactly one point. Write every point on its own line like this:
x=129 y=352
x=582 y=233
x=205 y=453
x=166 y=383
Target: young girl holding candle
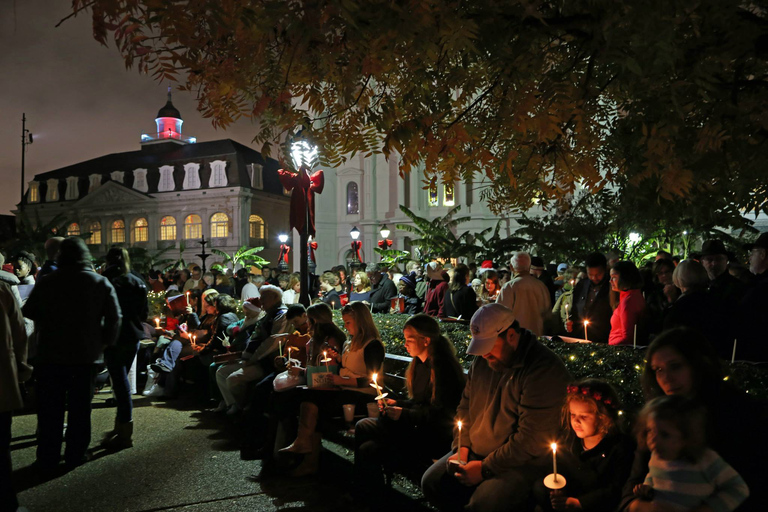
x=683 y=473
x=594 y=456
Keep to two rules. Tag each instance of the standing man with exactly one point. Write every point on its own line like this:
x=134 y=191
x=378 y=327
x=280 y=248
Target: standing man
x=13 y=369
x=510 y=413
x=526 y=296
x=382 y=290
x=51 y=250
x=76 y=317
x=194 y=279
x=728 y=289
x=592 y=301
x=752 y=342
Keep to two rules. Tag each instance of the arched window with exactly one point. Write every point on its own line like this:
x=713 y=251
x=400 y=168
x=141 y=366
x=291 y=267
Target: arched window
x=193 y=226
x=118 y=232
x=140 y=230
x=353 y=199
x=95 y=229
x=73 y=229
x=219 y=225
x=449 y=194
x=168 y=228
x=256 y=227
x=433 y=199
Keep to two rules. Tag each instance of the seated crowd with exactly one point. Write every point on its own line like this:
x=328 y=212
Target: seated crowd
x=477 y=440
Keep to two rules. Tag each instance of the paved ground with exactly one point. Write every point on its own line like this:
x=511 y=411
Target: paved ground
x=182 y=459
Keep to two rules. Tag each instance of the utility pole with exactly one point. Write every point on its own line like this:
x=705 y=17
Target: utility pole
x=26 y=139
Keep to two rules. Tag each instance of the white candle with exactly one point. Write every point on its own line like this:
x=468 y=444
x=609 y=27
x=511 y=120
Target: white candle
x=325 y=358
x=280 y=347
x=634 y=339
x=586 y=323
x=187 y=298
x=378 y=389
x=554 y=459
x=567 y=315
x=194 y=340
x=733 y=356
x=157 y=322
x=459 y=452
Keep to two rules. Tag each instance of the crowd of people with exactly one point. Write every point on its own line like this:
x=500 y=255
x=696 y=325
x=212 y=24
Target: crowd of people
x=482 y=438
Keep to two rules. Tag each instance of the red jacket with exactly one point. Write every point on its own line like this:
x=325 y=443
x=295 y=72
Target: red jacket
x=434 y=301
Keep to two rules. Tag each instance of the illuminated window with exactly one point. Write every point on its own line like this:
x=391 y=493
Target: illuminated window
x=168 y=228
x=433 y=200
x=95 y=229
x=34 y=192
x=218 y=174
x=353 y=199
x=256 y=227
x=73 y=229
x=118 y=232
x=53 y=190
x=219 y=225
x=449 y=194
x=193 y=226
x=140 y=230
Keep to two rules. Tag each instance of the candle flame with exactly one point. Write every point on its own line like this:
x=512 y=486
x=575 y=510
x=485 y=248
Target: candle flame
x=553 y=446
x=586 y=322
x=374 y=376
x=459 y=424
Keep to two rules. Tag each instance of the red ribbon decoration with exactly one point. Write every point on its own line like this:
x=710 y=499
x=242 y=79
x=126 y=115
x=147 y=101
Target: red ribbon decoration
x=312 y=246
x=356 y=246
x=384 y=244
x=284 y=250
x=304 y=187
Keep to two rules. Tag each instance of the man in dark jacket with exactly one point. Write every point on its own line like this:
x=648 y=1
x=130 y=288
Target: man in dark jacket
x=751 y=333
x=592 y=301
x=714 y=258
x=510 y=412
x=383 y=289
x=76 y=317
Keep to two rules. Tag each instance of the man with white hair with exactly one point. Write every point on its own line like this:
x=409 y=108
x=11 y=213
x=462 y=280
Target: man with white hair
x=525 y=295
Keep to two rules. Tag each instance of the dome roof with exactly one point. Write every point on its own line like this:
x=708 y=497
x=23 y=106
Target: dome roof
x=169 y=110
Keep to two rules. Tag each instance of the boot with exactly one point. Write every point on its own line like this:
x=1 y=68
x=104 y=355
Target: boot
x=311 y=462
x=123 y=438
x=307 y=423
x=109 y=436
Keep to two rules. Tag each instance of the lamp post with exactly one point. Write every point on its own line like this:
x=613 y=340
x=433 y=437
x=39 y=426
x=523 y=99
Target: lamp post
x=356 y=246
x=385 y=243
x=26 y=139
x=282 y=263
x=203 y=255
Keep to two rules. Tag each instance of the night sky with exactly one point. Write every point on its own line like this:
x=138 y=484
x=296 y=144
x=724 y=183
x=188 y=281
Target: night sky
x=80 y=100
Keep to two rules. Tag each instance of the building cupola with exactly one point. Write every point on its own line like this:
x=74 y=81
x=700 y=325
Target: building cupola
x=168 y=123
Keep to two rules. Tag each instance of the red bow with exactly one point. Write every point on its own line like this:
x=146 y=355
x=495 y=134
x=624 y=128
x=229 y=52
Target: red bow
x=356 y=245
x=284 y=250
x=304 y=187
x=312 y=247
x=383 y=244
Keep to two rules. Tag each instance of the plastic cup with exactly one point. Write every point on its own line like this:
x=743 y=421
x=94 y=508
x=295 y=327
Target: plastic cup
x=349 y=412
x=373 y=410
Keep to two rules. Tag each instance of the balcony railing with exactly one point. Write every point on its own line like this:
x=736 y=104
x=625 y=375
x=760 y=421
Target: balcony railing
x=157 y=137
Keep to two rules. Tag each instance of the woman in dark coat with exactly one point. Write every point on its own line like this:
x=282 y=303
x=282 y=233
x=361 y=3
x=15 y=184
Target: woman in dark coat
x=460 y=298
x=682 y=362
x=413 y=431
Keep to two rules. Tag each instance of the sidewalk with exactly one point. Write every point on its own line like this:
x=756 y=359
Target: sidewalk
x=182 y=459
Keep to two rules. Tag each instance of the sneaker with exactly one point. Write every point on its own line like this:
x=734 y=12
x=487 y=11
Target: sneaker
x=155 y=391
x=160 y=366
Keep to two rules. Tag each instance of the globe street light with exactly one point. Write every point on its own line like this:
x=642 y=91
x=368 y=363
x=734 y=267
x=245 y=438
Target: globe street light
x=282 y=263
x=385 y=243
x=356 y=246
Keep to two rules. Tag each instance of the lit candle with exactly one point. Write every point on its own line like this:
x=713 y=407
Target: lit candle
x=554 y=460
x=458 y=423
x=586 y=323
x=187 y=298
x=194 y=340
x=157 y=322
x=733 y=356
x=289 y=355
x=567 y=315
x=325 y=358
x=280 y=347
x=376 y=384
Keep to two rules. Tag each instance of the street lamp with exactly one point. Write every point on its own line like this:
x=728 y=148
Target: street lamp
x=356 y=246
x=384 y=232
x=282 y=263
x=385 y=243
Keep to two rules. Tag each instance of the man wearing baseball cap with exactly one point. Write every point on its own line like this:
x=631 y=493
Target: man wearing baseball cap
x=752 y=338
x=510 y=413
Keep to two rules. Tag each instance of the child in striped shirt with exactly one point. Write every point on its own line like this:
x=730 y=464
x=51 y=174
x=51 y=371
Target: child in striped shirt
x=683 y=473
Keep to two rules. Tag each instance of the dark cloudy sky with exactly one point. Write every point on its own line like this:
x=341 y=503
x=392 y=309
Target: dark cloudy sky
x=80 y=100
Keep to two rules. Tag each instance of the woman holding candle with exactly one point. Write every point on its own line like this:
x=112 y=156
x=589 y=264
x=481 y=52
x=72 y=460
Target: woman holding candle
x=626 y=280
x=594 y=455
x=413 y=431
x=362 y=356
x=682 y=362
